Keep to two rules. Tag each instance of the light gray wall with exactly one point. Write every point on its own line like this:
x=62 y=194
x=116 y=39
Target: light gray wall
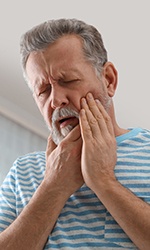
x=15 y=141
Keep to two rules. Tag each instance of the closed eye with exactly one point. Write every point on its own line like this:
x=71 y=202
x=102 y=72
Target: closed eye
x=45 y=90
x=67 y=81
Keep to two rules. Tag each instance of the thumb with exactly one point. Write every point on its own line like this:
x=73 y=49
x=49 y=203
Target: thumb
x=74 y=134
x=50 y=145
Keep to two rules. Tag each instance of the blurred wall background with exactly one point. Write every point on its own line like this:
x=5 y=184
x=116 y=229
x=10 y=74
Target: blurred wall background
x=16 y=140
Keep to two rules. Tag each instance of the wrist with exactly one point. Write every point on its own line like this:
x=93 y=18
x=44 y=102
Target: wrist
x=103 y=186
x=51 y=192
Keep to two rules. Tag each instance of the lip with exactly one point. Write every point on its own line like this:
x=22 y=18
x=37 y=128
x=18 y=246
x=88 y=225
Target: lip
x=65 y=121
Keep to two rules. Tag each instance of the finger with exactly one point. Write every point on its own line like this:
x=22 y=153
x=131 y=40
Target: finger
x=107 y=118
x=89 y=122
x=74 y=134
x=91 y=105
x=100 y=114
x=50 y=145
x=94 y=116
x=86 y=132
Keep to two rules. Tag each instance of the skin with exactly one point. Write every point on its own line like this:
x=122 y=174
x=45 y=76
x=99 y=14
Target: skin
x=56 y=83
x=90 y=148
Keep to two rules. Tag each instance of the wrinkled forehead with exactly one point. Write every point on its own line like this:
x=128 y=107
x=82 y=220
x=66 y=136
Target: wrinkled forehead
x=65 y=55
x=67 y=44
x=35 y=66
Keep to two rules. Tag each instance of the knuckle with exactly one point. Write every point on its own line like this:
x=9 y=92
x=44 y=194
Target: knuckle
x=98 y=117
x=92 y=121
x=107 y=119
x=62 y=145
x=87 y=130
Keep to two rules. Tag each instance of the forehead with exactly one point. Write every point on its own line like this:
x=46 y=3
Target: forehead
x=68 y=46
x=64 y=55
x=65 y=51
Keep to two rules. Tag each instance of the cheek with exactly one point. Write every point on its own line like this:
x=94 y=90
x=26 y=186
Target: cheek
x=99 y=91
x=47 y=114
x=39 y=104
x=45 y=110
x=94 y=87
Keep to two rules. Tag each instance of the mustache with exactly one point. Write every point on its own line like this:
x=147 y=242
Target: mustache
x=63 y=112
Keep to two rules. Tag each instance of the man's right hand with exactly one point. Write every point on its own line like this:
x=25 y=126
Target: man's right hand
x=63 y=164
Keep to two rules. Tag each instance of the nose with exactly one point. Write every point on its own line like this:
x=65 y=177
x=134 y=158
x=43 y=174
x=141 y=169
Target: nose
x=58 y=97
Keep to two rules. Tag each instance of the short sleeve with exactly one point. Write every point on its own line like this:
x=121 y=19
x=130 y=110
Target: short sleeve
x=8 y=200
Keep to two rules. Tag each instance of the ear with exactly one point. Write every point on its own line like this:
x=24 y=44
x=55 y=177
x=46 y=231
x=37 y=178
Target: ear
x=110 y=77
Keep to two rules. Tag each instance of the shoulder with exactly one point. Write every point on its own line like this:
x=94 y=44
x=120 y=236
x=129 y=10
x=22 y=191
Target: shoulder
x=29 y=165
x=34 y=157
x=145 y=132
x=144 y=136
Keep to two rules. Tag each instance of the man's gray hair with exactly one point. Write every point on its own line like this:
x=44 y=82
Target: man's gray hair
x=41 y=36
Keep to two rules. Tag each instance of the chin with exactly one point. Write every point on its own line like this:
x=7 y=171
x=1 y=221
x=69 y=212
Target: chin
x=58 y=136
x=59 y=115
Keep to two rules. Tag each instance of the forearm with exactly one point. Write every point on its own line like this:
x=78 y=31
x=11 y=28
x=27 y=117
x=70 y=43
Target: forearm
x=130 y=212
x=32 y=227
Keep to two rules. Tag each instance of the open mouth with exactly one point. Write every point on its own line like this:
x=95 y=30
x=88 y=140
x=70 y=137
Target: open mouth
x=65 y=121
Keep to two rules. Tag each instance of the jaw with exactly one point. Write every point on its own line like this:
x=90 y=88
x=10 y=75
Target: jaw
x=67 y=125
x=59 y=130
x=66 y=130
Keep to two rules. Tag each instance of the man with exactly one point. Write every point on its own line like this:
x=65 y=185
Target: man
x=92 y=191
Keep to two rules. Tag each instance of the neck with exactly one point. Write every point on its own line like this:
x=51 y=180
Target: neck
x=117 y=129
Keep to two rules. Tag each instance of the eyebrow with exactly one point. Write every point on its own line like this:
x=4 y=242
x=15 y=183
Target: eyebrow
x=37 y=85
x=69 y=71
x=39 y=82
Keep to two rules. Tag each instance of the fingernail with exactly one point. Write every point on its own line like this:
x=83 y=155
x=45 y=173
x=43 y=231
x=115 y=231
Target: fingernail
x=89 y=95
x=82 y=111
x=83 y=100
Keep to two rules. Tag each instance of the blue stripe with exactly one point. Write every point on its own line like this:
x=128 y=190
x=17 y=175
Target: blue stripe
x=76 y=228
x=134 y=178
x=90 y=245
x=9 y=216
x=114 y=230
x=135 y=164
x=79 y=205
x=4 y=223
x=119 y=240
x=133 y=171
x=137 y=157
x=81 y=221
x=76 y=237
x=86 y=196
x=79 y=213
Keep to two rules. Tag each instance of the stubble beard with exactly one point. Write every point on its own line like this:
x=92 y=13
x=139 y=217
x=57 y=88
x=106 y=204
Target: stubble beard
x=58 y=134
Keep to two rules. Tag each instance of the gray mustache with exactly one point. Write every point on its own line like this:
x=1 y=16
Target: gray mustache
x=63 y=112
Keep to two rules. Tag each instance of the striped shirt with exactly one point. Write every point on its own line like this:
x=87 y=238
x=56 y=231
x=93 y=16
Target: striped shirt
x=84 y=223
